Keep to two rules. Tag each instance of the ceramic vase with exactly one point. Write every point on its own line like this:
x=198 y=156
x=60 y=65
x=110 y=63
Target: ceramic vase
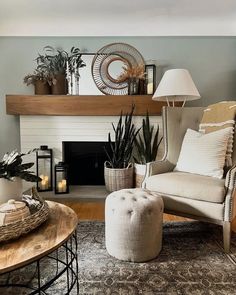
x=133 y=86
x=42 y=88
x=139 y=174
x=10 y=189
x=60 y=87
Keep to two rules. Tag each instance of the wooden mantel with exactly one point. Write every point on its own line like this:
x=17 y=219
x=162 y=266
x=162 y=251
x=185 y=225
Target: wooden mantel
x=81 y=105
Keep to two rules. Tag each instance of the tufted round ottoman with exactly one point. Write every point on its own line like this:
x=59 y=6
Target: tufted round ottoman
x=134 y=224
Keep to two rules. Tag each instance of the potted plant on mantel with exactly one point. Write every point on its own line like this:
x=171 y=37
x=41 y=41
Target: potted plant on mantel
x=41 y=81
x=49 y=76
x=118 y=170
x=12 y=171
x=146 y=149
x=57 y=61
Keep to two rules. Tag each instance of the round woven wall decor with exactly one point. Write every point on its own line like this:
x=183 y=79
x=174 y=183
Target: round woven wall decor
x=122 y=53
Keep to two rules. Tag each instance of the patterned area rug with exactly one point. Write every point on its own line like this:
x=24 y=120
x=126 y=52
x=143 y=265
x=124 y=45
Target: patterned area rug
x=192 y=261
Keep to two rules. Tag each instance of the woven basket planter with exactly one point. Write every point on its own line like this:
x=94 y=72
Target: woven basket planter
x=117 y=179
x=19 y=228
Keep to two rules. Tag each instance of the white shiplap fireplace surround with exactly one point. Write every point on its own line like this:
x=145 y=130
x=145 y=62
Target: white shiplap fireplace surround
x=53 y=130
x=50 y=120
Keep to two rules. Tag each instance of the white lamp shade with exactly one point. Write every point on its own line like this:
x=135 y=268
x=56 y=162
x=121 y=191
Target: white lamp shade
x=177 y=85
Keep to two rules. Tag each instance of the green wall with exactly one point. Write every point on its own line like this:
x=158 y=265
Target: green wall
x=210 y=60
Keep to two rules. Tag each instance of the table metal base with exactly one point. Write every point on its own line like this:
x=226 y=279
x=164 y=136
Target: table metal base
x=56 y=273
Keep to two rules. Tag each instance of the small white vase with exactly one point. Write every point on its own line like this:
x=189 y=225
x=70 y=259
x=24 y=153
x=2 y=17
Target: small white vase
x=140 y=171
x=10 y=189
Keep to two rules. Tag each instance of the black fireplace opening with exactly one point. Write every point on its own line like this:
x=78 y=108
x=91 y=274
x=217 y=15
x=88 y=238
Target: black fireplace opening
x=86 y=162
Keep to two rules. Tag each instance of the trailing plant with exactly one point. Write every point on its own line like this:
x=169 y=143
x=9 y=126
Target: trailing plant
x=12 y=166
x=119 y=151
x=36 y=76
x=147 y=145
x=42 y=71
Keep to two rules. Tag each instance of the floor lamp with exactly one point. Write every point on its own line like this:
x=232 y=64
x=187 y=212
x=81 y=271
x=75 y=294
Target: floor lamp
x=176 y=85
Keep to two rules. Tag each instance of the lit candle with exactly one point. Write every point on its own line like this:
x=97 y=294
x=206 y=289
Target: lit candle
x=63 y=185
x=41 y=176
x=43 y=184
x=46 y=178
x=150 y=88
x=60 y=187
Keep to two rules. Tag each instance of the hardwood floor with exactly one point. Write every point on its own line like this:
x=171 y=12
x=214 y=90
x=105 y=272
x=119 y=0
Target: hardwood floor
x=94 y=210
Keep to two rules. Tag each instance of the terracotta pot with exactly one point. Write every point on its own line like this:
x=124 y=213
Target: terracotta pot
x=42 y=87
x=60 y=87
x=10 y=189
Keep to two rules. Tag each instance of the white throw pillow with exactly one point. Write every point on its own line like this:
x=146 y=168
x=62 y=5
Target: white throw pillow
x=203 y=154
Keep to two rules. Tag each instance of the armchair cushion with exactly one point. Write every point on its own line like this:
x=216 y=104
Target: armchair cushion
x=188 y=185
x=204 y=154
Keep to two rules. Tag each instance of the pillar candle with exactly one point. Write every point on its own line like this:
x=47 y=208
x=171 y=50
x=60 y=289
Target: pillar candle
x=63 y=185
x=60 y=187
x=150 y=88
x=43 y=185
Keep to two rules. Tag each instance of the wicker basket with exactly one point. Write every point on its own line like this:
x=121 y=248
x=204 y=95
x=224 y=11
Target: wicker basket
x=116 y=179
x=18 y=228
x=13 y=211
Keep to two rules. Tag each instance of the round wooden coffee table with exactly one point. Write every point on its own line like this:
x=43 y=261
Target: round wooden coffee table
x=45 y=257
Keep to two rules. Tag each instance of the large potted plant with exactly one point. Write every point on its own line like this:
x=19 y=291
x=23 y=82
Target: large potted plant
x=146 y=149
x=118 y=170
x=12 y=171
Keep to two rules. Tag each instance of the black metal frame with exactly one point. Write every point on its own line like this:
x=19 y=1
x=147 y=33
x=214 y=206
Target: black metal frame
x=37 y=167
x=67 y=266
x=151 y=68
x=61 y=168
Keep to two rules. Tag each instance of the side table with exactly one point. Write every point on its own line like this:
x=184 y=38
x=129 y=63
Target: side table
x=45 y=260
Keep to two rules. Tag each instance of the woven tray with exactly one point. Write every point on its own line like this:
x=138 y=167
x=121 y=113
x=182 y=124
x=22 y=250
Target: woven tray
x=19 y=228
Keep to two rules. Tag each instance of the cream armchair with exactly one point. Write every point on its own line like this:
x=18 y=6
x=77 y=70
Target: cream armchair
x=191 y=195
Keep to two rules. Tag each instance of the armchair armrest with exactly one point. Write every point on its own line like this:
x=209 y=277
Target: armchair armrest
x=230 y=180
x=230 y=198
x=157 y=167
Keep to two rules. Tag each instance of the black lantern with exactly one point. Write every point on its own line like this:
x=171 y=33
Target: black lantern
x=150 y=71
x=61 y=178
x=44 y=168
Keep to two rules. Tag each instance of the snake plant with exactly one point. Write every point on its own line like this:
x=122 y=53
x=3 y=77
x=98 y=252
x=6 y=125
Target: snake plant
x=120 y=150
x=146 y=146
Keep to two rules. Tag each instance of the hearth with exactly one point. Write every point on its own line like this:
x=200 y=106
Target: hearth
x=86 y=162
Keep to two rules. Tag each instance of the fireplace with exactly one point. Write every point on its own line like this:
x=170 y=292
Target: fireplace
x=86 y=162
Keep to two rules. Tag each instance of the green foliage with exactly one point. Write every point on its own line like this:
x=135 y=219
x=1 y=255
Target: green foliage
x=74 y=59
x=11 y=166
x=119 y=151
x=37 y=76
x=146 y=146
x=53 y=62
